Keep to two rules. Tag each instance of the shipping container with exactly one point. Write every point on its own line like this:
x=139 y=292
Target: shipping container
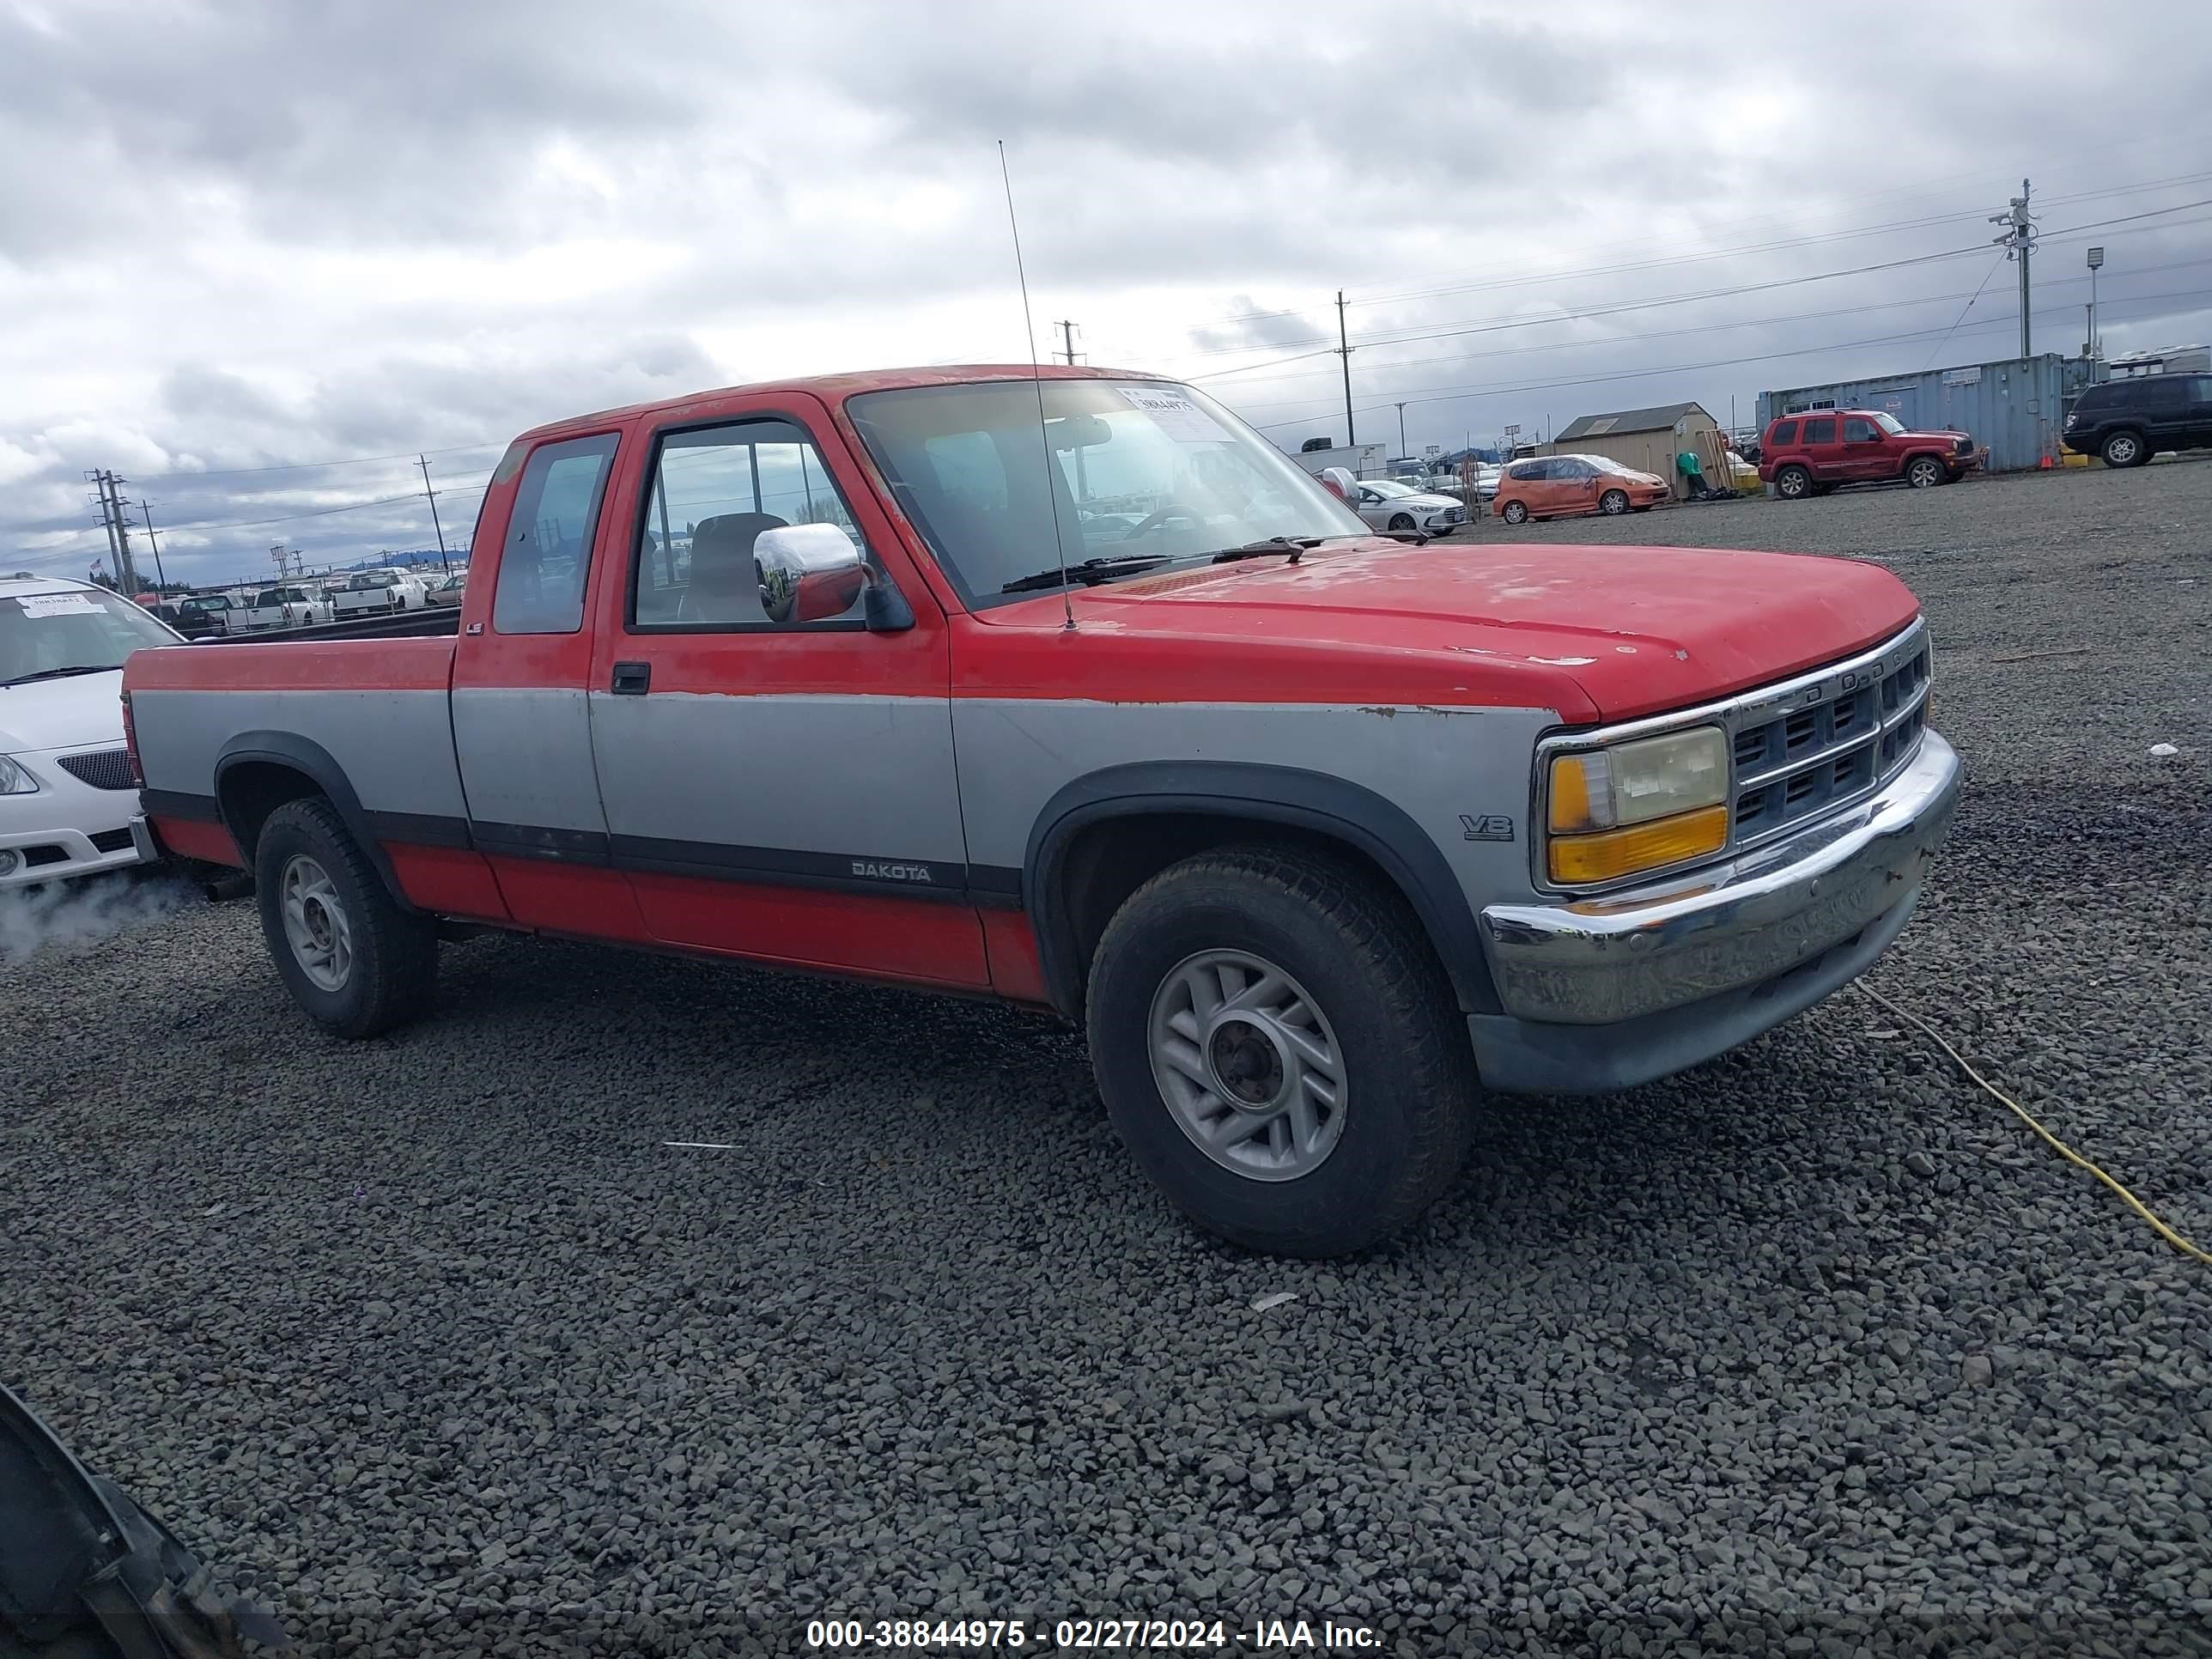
x=2015 y=408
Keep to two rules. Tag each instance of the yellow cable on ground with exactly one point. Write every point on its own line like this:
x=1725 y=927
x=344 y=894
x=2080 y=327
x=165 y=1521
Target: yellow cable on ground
x=2027 y=1117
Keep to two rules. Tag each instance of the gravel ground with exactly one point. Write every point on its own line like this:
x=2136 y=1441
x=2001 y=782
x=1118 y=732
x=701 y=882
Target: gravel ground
x=1811 y=1351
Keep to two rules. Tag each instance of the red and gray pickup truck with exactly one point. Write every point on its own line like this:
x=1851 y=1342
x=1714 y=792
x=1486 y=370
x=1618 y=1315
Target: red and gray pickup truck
x=1072 y=690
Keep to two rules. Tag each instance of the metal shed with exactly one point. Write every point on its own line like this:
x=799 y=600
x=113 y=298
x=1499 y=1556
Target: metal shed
x=1648 y=439
x=2015 y=407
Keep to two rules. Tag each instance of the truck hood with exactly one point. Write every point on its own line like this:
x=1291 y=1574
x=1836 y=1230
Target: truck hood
x=1640 y=630
x=82 y=711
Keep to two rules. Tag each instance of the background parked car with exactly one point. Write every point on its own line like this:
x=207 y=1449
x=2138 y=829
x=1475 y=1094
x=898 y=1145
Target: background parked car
x=2125 y=423
x=1562 y=486
x=1388 y=505
x=378 y=592
x=1811 y=454
x=67 y=795
x=188 y=616
x=285 y=607
x=450 y=591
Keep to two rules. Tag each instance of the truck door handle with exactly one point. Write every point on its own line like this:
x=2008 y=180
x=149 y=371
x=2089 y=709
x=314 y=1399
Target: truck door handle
x=632 y=679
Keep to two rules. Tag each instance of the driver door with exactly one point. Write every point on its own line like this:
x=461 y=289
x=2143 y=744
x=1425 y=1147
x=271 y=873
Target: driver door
x=1864 y=455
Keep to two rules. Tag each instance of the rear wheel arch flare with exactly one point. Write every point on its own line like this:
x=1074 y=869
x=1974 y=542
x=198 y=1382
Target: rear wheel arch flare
x=256 y=772
x=1103 y=836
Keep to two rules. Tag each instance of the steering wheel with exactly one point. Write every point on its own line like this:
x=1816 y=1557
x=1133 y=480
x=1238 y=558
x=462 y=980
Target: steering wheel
x=1170 y=510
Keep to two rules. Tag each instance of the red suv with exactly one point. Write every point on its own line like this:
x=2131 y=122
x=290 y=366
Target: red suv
x=1811 y=454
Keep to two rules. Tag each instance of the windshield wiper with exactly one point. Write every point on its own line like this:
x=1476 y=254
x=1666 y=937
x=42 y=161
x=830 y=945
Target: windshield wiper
x=1295 y=546
x=1090 y=572
x=59 y=673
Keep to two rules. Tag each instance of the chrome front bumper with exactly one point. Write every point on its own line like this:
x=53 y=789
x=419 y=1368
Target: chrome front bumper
x=1696 y=937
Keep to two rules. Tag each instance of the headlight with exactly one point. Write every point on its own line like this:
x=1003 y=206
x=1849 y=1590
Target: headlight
x=1637 y=805
x=14 y=780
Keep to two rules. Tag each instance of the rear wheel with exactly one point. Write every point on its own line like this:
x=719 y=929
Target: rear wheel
x=1280 y=1051
x=1792 y=484
x=1924 y=472
x=353 y=959
x=2125 y=449
x=1613 y=503
x=1513 y=513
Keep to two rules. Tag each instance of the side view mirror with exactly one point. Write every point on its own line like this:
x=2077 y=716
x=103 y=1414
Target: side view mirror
x=1339 y=483
x=808 y=572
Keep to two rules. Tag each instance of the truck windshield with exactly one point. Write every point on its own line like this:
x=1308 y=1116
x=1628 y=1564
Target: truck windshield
x=1138 y=472
x=78 y=631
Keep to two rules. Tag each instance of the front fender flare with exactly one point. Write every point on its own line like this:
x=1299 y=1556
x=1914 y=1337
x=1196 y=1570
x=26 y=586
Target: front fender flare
x=1311 y=801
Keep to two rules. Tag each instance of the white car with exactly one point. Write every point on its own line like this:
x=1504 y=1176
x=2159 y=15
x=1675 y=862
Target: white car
x=1388 y=505
x=67 y=796
x=378 y=593
x=283 y=607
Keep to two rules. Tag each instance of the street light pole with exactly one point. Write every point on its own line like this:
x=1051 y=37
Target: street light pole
x=2096 y=264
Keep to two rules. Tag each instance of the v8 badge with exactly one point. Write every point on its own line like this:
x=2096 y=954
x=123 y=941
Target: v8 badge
x=1491 y=826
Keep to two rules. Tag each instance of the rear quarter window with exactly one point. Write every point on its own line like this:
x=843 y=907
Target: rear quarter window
x=1785 y=432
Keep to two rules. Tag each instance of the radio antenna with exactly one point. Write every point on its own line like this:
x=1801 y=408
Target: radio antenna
x=1037 y=378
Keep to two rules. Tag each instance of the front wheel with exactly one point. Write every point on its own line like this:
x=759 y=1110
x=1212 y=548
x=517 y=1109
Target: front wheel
x=352 y=958
x=1279 y=1050
x=1613 y=503
x=1792 y=484
x=1515 y=512
x=1924 y=472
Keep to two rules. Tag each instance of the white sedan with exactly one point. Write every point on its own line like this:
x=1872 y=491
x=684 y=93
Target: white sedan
x=1388 y=505
x=67 y=795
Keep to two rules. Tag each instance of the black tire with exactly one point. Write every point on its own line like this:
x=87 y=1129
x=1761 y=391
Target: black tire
x=1354 y=946
x=1400 y=522
x=1613 y=503
x=392 y=973
x=2124 y=449
x=1647 y=507
x=1792 y=484
x=1925 y=473
x=1515 y=512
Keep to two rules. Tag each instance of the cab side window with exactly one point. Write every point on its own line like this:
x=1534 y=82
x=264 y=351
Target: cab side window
x=1857 y=431
x=1785 y=432
x=715 y=491
x=547 y=559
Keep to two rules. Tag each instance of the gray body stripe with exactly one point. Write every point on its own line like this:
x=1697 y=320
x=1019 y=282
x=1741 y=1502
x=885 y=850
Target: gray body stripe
x=1433 y=763
x=872 y=776
x=396 y=747
x=526 y=756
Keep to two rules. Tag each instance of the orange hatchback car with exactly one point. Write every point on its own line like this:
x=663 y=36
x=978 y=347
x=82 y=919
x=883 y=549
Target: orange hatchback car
x=1560 y=486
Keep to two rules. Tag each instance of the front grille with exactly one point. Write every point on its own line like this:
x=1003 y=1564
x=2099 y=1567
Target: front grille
x=1963 y=446
x=103 y=768
x=111 y=841
x=1824 y=753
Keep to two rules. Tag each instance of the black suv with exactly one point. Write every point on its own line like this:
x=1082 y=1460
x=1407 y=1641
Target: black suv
x=2128 y=422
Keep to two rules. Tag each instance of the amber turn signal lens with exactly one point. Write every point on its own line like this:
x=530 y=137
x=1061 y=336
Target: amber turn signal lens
x=1613 y=853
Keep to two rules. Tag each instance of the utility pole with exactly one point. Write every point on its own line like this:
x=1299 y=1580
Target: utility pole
x=423 y=461
x=1067 y=336
x=2018 y=242
x=2096 y=264
x=1402 y=430
x=1344 y=350
x=97 y=479
x=160 y=576
x=119 y=529
x=1082 y=469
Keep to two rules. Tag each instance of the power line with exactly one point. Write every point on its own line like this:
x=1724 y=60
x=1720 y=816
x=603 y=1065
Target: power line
x=188 y=474
x=1449 y=394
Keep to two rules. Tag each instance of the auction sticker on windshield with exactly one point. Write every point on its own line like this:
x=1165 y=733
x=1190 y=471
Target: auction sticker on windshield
x=56 y=604
x=1174 y=413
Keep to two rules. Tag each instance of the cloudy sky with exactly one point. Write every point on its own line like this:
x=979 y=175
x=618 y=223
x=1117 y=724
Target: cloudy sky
x=255 y=257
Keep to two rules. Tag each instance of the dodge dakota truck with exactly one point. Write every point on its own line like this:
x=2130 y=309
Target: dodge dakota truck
x=1319 y=835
